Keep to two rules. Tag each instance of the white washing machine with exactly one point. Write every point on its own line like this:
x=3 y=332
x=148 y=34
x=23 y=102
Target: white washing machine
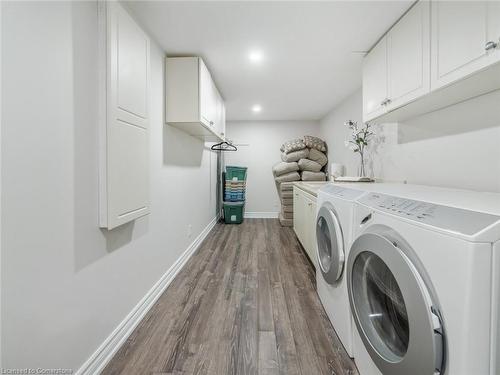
x=424 y=283
x=334 y=236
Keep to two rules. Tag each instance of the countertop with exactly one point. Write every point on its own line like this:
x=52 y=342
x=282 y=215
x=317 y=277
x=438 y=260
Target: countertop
x=486 y=202
x=310 y=187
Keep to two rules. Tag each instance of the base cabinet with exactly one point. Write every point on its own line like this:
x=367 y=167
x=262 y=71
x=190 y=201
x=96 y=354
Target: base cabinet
x=304 y=221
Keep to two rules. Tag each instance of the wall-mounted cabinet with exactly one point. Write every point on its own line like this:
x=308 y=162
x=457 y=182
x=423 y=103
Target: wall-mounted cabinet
x=465 y=39
x=194 y=103
x=375 y=83
x=438 y=54
x=396 y=71
x=124 y=135
x=408 y=45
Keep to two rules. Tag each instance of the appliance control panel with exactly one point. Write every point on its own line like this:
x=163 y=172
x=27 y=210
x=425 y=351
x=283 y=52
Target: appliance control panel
x=342 y=192
x=444 y=217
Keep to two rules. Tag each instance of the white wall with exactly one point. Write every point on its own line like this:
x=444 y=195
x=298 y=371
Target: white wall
x=454 y=147
x=260 y=150
x=1 y=102
x=66 y=284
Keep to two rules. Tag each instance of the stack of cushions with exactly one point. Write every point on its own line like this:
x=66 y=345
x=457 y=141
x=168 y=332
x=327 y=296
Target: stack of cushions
x=303 y=159
x=295 y=155
x=286 y=172
x=286 y=197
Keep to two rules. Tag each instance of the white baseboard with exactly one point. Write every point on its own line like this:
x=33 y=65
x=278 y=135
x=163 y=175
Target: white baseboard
x=261 y=215
x=97 y=361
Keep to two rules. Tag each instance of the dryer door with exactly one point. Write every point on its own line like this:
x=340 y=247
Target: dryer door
x=393 y=309
x=330 y=242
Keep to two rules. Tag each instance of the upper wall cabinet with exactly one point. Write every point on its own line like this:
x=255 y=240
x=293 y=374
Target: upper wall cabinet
x=428 y=70
x=124 y=136
x=465 y=38
x=194 y=104
x=408 y=57
x=396 y=70
x=207 y=91
x=375 y=91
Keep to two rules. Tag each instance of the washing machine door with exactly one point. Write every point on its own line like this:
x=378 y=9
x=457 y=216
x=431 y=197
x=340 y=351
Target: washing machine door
x=393 y=309
x=330 y=241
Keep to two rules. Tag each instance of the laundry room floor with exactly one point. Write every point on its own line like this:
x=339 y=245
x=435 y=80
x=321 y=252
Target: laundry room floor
x=244 y=304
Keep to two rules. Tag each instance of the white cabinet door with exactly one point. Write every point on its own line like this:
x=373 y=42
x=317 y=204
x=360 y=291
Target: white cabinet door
x=124 y=167
x=307 y=225
x=223 y=119
x=207 y=102
x=304 y=221
x=296 y=212
x=299 y=213
x=314 y=241
x=493 y=40
x=408 y=50
x=375 y=92
x=493 y=10
x=214 y=95
x=218 y=105
x=311 y=229
x=460 y=33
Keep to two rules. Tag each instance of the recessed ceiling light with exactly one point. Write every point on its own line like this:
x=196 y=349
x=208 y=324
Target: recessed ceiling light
x=255 y=56
x=256 y=108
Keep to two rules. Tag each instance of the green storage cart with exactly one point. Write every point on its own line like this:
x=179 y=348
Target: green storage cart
x=234 y=194
x=234 y=173
x=233 y=212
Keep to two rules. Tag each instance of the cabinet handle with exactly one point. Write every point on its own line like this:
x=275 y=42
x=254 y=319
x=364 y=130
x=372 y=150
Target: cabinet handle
x=309 y=204
x=386 y=101
x=211 y=122
x=490 y=45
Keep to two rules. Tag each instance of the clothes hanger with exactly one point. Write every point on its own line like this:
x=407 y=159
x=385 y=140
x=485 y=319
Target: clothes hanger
x=224 y=146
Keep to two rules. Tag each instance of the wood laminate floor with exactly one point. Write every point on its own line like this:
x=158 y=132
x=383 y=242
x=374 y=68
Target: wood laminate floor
x=245 y=303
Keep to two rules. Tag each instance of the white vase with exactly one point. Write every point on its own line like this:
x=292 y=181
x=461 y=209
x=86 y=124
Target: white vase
x=361 y=169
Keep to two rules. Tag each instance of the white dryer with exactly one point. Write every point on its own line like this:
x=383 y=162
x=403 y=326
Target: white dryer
x=424 y=284
x=333 y=236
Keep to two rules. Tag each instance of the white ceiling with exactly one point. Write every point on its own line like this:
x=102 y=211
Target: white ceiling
x=308 y=64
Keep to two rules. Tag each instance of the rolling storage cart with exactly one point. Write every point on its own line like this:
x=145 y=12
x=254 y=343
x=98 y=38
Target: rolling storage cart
x=234 y=194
